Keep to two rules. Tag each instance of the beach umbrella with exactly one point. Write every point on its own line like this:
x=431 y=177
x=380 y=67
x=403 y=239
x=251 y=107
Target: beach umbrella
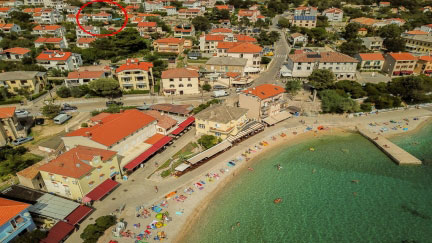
x=159 y=216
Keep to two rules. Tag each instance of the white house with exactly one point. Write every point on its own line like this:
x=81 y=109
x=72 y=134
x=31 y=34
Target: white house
x=246 y=50
x=170 y=10
x=102 y=16
x=9 y=28
x=151 y=6
x=180 y=81
x=65 y=61
x=49 y=30
x=426 y=28
x=85 y=42
x=83 y=77
x=57 y=42
x=48 y=16
x=92 y=29
x=15 y=54
x=333 y=14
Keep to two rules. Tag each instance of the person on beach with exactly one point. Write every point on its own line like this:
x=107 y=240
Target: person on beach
x=156 y=189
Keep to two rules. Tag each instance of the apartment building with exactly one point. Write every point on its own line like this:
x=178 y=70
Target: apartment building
x=56 y=42
x=102 y=16
x=373 y=43
x=180 y=81
x=306 y=11
x=78 y=78
x=370 y=61
x=208 y=43
x=189 y=13
x=302 y=65
x=135 y=75
x=91 y=29
x=147 y=28
x=48 y=16
x=152 y=6
x=170 y=10
x=220 y=121
x=226 y=65
x=246 y=50
x=65 y=61
x=15 y=54
x=9 y=125
x=175 y=45
x=333 y=14
x=49 y=30
x=263 y=101
x=421 y=44
x=33 y=81
x=184 y=30
x=117 y=132
x=192 y=4
x=78 y=171
x=423 y=65
x=85 y=42
x=399 y=64
x=308 y=22
x=9 y=28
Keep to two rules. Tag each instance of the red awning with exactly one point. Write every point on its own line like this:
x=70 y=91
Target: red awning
x=407 y=72
x=58 y=232
x=187 y=122
x=396 y=73
x=177 y=131
x=102 y=189
x=427 y=71
x=78 y=214
x=149 y=152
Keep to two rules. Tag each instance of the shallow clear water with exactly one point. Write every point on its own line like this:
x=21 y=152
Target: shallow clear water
x=389 y=203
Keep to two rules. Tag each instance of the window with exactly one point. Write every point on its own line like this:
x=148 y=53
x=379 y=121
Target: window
x=55 y=184
x=101 y=176
x=172 y=86
x=171 y=80
x=298 y=68
x=189 y=85
x=65 y=179
x=218 y=134
x=189 y=79
x=181 y=85
x=91 y=183
x=201 y=126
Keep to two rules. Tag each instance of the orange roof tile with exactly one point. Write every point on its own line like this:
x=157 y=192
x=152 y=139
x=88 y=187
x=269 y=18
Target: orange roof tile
x=402 y=56
x=7 y=112
x=164 y=121
x=245 y=38
x=180 y=73
x=48 y=40
x=110 y=132
x=214 y=37
x=6 y=26
x=364 y=21
x=17 y=50
x=9 y=209
x=426 y=58
x=221 y=30
x=232 y=74
x=220 y=7
x=170 y=40
x=416 y=32
x=53 y=55
x=147 y=24
x=227 y=45
x=154 y=139
x=245 y=47
x=265 y=91
x=145 y=66
x=371 y=56
x=75 y=162
x=47 y=27
x=86 y=74
x=86 y=40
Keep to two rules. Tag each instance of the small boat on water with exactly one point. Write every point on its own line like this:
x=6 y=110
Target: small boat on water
x=277 y=200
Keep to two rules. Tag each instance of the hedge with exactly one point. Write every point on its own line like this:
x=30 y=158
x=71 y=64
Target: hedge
x=35 y=96
x=136 y=92
x=14 y=100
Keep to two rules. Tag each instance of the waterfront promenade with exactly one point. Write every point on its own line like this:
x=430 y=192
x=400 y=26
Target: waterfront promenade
x=397 y=154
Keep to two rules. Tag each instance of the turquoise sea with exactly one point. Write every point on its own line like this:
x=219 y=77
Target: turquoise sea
x=389 y=203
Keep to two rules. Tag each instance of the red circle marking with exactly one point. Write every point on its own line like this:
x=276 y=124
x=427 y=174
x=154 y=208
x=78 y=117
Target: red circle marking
x=105 y=1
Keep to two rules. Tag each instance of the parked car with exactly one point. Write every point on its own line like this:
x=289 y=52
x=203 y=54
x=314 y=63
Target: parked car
x=21 y=113
x=20 y=141
x=67 y=107
x=62 y=118
x=114 y=102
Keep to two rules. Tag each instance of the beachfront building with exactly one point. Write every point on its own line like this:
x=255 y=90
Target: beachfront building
x=117 y=132
x=226 y=65
x=33 y=81
x=264 y=103
x=373 y=43
x=180 y=81
x=246 y=50
x=302 y=65
x=9 y=125
x=135 y=75
x=399 y=64
x=15 y=219
x=423 y=65
x=65 y=61
x=421 y=44
x=175 y=45
x=78 y=171
x=370 y=61
x=220 y=121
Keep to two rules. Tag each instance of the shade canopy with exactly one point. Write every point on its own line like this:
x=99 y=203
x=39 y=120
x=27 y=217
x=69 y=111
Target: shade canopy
x=102 y=189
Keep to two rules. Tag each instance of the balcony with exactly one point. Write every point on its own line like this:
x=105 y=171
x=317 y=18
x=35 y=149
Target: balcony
x=214 y=129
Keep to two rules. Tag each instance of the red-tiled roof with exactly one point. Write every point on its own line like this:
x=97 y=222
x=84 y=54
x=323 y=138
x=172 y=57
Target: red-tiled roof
x=154 y=139
x=170 y=40
x=180 y=73
x=86 y=74
x=364 y=21
x=86 y=40
x=371 y=56
x=416 y=32
x=123 y=125
x=333 y=10
x=58 y=232
x=6 y=26
x=214 y=37
x=9 y=209
x=232 y=74
x=48 y=40
x=4 y=9
x=227 y=45
x=426 y=58
x=190 y=10
x=17 y=50
x=47 y=27
x=220 y=7
x=246 y=13
x=245 y=47
x=145 y=66
x=164 y=121
x=221 y=30
x=147 y=24
x=402 y=56
x=265 y=91
x=53 y=55
x=7 y=112
x=75 y=162
x=245 y=38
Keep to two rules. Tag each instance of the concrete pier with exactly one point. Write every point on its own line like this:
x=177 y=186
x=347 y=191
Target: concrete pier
x=397 y=154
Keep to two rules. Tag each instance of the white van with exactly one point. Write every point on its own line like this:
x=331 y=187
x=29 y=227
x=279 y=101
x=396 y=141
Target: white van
x=62 y=118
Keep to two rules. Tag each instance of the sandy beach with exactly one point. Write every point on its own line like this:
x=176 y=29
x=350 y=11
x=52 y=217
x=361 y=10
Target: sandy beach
x=184 y=213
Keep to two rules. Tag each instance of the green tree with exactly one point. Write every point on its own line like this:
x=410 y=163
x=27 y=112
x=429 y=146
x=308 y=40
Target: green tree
x=207 y=141
x=51 y=110
x=321 y=79
x=201 y=23
x=34 y=236
x=352 y=47
x=206 y=87
x=64 y=92
x=105 y=87
x=283 y=22
x=333 y=102
x=106 y=221
x=77 y=92
x=394 y=44
x=351 y=31
x=353 y=88
x=293 y=86
x=390 y=31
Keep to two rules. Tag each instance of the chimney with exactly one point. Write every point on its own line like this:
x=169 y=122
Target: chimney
x=88 y=134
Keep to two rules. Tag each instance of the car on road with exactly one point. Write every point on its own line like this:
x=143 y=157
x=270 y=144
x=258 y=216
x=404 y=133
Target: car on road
x=67 y=107
x=20 y=141
x=114 y=102
x=217 y=86
x=22 y=113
